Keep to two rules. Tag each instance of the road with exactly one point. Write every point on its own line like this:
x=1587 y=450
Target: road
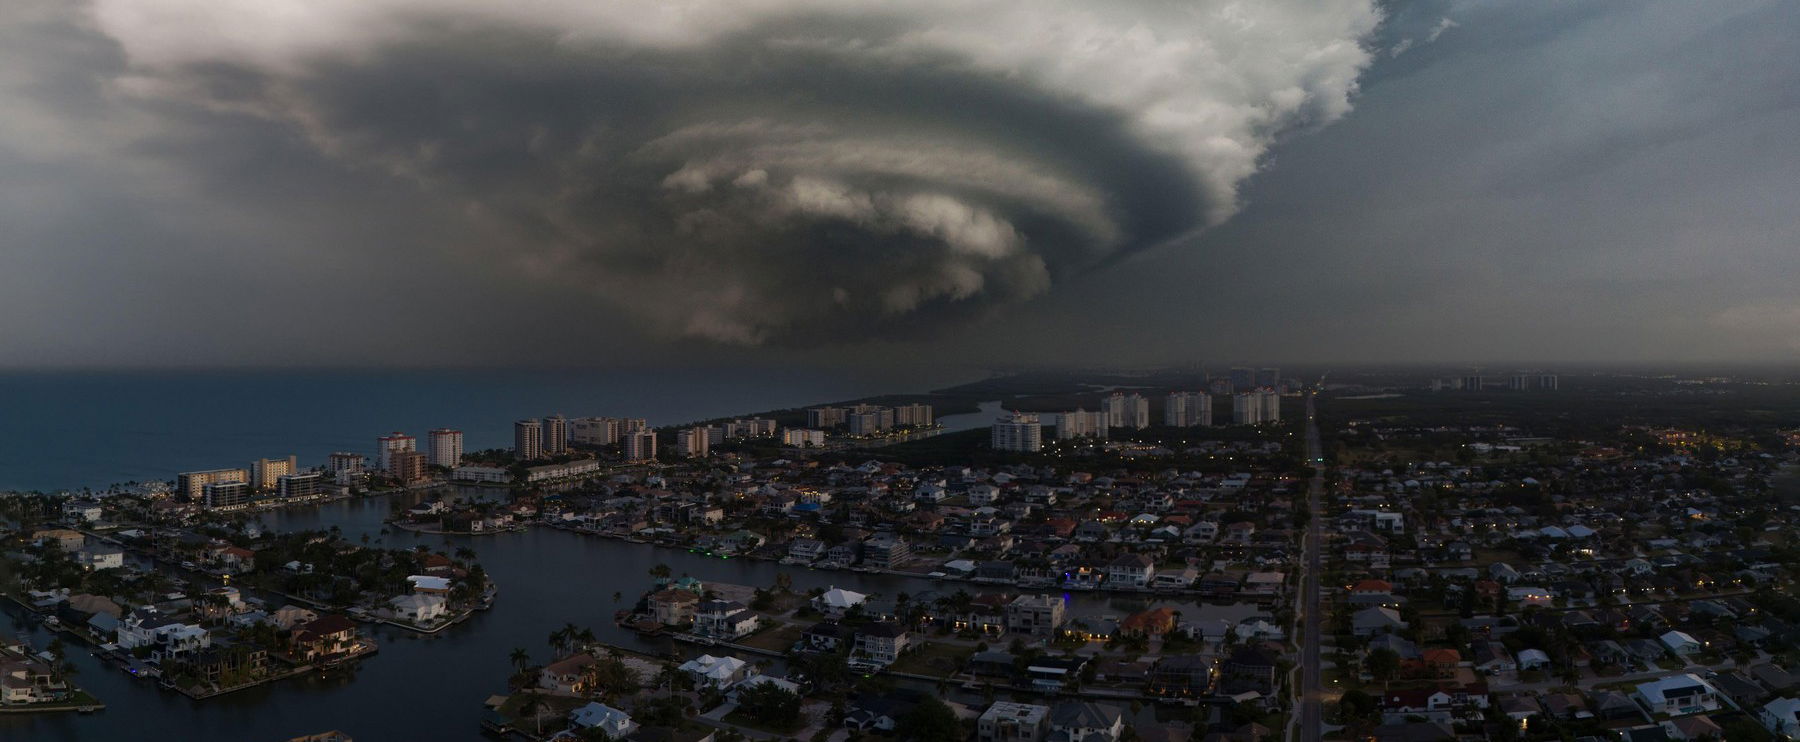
x=1312 y=683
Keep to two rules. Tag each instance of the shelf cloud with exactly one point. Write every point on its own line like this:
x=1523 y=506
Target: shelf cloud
x=784 y=172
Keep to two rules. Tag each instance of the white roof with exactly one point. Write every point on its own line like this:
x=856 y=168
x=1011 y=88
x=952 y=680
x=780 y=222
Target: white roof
x=713 y=667
x=838 y=597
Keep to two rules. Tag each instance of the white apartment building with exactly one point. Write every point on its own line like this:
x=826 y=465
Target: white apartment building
x=693 y=442
x=446 y=447
x=556 y=434
x=1188 y=410
x=1081 y=424
x=801 y=437
x=594 y=431
x=639 y=445
x=1256 y=408
x=1127 y=411
x=1018 y=432
x=388 y=445
x=264 y=472
x=528 y=440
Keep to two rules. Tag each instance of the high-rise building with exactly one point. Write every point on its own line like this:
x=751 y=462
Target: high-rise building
x=1256 y=408
x=1243 y=378
x=826 y=417
x=869 y=420
x=1187 y=410
x=1081 y=424
x=342 y=461
x=556 y=435
x=594 y=431
x=1220 y=386
x=1472 y=383
x=639 y=445
x=407 y=466
x=291 y=486
x=1130 y=411
x=227 y=494
x=755 y=427
x=915 y=415
x=264 y=472
x=388 y=445
x=1018 y=432
x=802 y=438
x=692 y=442
x=446 y=447
x=192 y=485
x=1268 y=378
x=528 y=440
x=632 y=425
x=1547 y=382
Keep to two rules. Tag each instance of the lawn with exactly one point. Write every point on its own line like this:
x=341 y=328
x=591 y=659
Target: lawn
x=742 y=719
x=777 y=639
x=935 y=658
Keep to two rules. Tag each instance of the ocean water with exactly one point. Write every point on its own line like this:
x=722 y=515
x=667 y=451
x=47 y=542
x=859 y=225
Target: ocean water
x=73 y=429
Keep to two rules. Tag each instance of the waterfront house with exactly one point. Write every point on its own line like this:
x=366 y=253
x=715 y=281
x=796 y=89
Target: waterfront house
x=569 y=675
x=328 y=637
x=1781 y=717
x=1130 y=571
x=881 y=643
x=673 y=606
x=614 y=723
x=419 y=608
x=717 y=673
x=1248 y=669
x=1035 y=615
x=724 y=619
x=837 y=601
x=1186 y=676
x=1006 y=721
x=1081 y=721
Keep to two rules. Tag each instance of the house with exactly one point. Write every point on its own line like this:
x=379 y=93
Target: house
x=1493 y=659
x=1248 y=670
x=100 y=556
x=1006 y=721
x=1187 y=676
x=1055 y=674
x=1080 y=721
x=615 y=723
x=1373 y=592
x=1035 y=615
x=1156 y=621
x=568 y=675
x=1680 y=643
x=1781 y=717
x=824 y=636
x=880 y=713
x=1441 y=663
x=1693 y=728
x=673 y=606
x=755 y=681
x=881 y=643
x=805 y=550
x=1376 y=620
x=1677 y=695
x=837 y=601
x=419 y=608
x=1533 y=659
x=717 y=673
x=724 y=619
x=1130 y=571
x=327 y=637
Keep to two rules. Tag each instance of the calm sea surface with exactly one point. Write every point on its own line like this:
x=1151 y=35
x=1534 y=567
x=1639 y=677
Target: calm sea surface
x=68 y=430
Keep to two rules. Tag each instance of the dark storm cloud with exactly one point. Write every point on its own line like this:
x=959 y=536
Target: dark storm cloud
x=777 y=171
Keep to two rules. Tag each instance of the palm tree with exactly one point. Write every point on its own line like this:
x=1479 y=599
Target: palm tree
x=585 y=635
x=558 y=638
x=520 y=658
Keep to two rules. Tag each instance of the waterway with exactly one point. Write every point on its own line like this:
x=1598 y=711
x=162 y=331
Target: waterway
x=432 y=687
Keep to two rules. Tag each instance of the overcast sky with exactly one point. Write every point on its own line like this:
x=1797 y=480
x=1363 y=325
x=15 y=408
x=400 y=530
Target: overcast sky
x=991 y=183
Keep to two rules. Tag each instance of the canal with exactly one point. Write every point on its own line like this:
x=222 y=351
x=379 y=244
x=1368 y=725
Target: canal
x=432 y=687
